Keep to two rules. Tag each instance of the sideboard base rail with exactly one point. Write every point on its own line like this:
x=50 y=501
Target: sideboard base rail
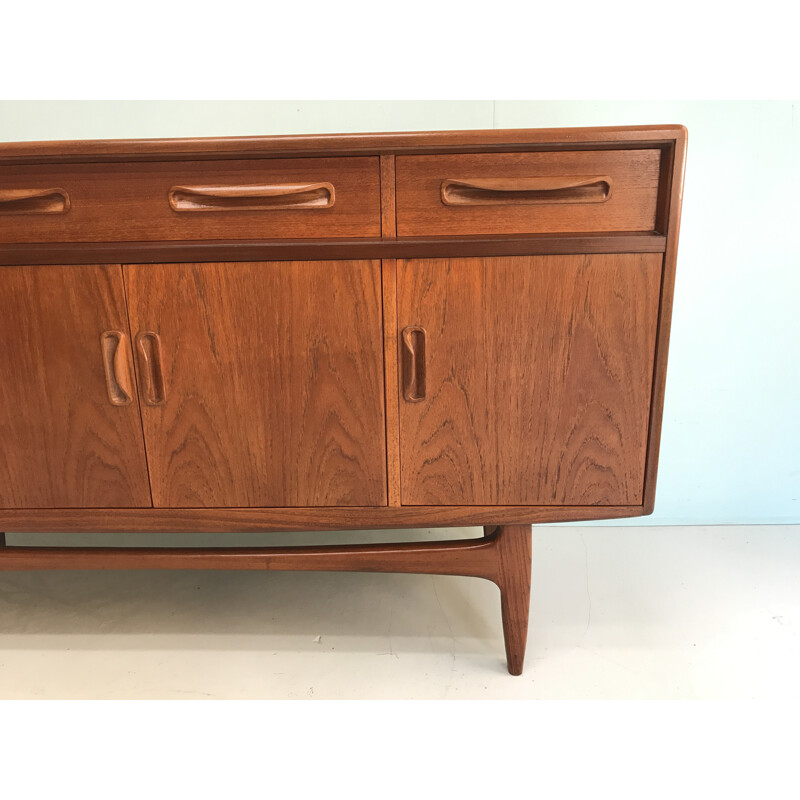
x=502 y=555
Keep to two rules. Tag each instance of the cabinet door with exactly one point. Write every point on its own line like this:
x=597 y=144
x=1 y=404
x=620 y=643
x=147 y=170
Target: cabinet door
x=528 y=379
x=70 y=433
x=262 y=383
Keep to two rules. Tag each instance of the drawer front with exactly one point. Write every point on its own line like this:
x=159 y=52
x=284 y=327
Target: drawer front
x=518 y=193
x=160 y=201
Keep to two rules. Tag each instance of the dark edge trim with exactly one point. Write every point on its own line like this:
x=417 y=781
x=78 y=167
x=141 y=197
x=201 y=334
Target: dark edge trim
x=329 y=145
x=251 y=520
x=672 y=215
x=32 y=254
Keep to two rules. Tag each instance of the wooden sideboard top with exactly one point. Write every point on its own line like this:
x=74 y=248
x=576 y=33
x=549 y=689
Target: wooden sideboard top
x=339 y=144
x=68 y=242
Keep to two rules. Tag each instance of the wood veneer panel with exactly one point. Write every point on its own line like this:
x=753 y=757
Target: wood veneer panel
x=513 y=576
x=499 y=556
x=538 y=373
x=304 y=250
x=273 y=376
x=672 y=214
x=221 y=520
x=62 y=440
x=631 y=177
x=389 y=284
x=388 y=211
x=131 y=201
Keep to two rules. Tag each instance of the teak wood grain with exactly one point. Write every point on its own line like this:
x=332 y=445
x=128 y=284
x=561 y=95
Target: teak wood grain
x=63 y=442
x=509 y=369
x=673 y=168
x=389 y=287
x=513 y=577
x=539 y=373
x=476 y=557
x=323 y=518
x=350 y=144
x=422 y=210
x=132 y=202
x=314 y=249
x=273 y=382
x=388 y=210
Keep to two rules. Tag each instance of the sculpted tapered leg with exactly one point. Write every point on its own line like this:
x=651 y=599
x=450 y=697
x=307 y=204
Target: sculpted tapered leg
x=513 y=545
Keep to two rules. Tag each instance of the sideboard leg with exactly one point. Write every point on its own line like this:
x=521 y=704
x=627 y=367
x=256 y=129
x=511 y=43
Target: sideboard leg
x=514 y=579
x=2 y=539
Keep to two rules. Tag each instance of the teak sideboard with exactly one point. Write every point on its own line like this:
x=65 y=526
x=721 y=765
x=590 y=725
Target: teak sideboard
x=333 y=332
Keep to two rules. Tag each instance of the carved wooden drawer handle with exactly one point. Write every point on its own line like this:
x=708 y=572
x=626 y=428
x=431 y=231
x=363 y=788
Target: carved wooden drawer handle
x=525 y=191
x=114 y=345
x=414 y=364
x=33 y=201
x=148 y=348
x=252 y=198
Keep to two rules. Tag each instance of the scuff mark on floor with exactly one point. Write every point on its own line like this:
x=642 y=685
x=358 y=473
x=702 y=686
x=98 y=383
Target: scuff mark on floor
x=588 y=593
x=449 y=628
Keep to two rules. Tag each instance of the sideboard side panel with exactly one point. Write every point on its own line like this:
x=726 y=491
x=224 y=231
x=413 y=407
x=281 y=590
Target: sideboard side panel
x=673 y=173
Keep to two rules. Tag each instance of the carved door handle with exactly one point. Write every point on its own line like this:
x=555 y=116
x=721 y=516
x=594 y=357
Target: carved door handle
x=413 y=339
x=114 y=346
x=148 y=348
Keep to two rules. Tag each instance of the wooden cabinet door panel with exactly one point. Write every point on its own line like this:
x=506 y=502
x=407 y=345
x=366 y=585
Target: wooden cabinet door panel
x=538 y=373
x=272 y=383
x=63 y=443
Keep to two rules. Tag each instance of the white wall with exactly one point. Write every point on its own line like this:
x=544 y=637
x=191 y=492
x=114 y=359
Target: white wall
x=731 y=439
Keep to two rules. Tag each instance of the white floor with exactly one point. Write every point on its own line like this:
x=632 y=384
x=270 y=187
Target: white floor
x=633 y=612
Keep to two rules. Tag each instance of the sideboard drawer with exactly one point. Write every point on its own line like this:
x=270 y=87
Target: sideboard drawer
x=201 y=200
x=534 y=192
